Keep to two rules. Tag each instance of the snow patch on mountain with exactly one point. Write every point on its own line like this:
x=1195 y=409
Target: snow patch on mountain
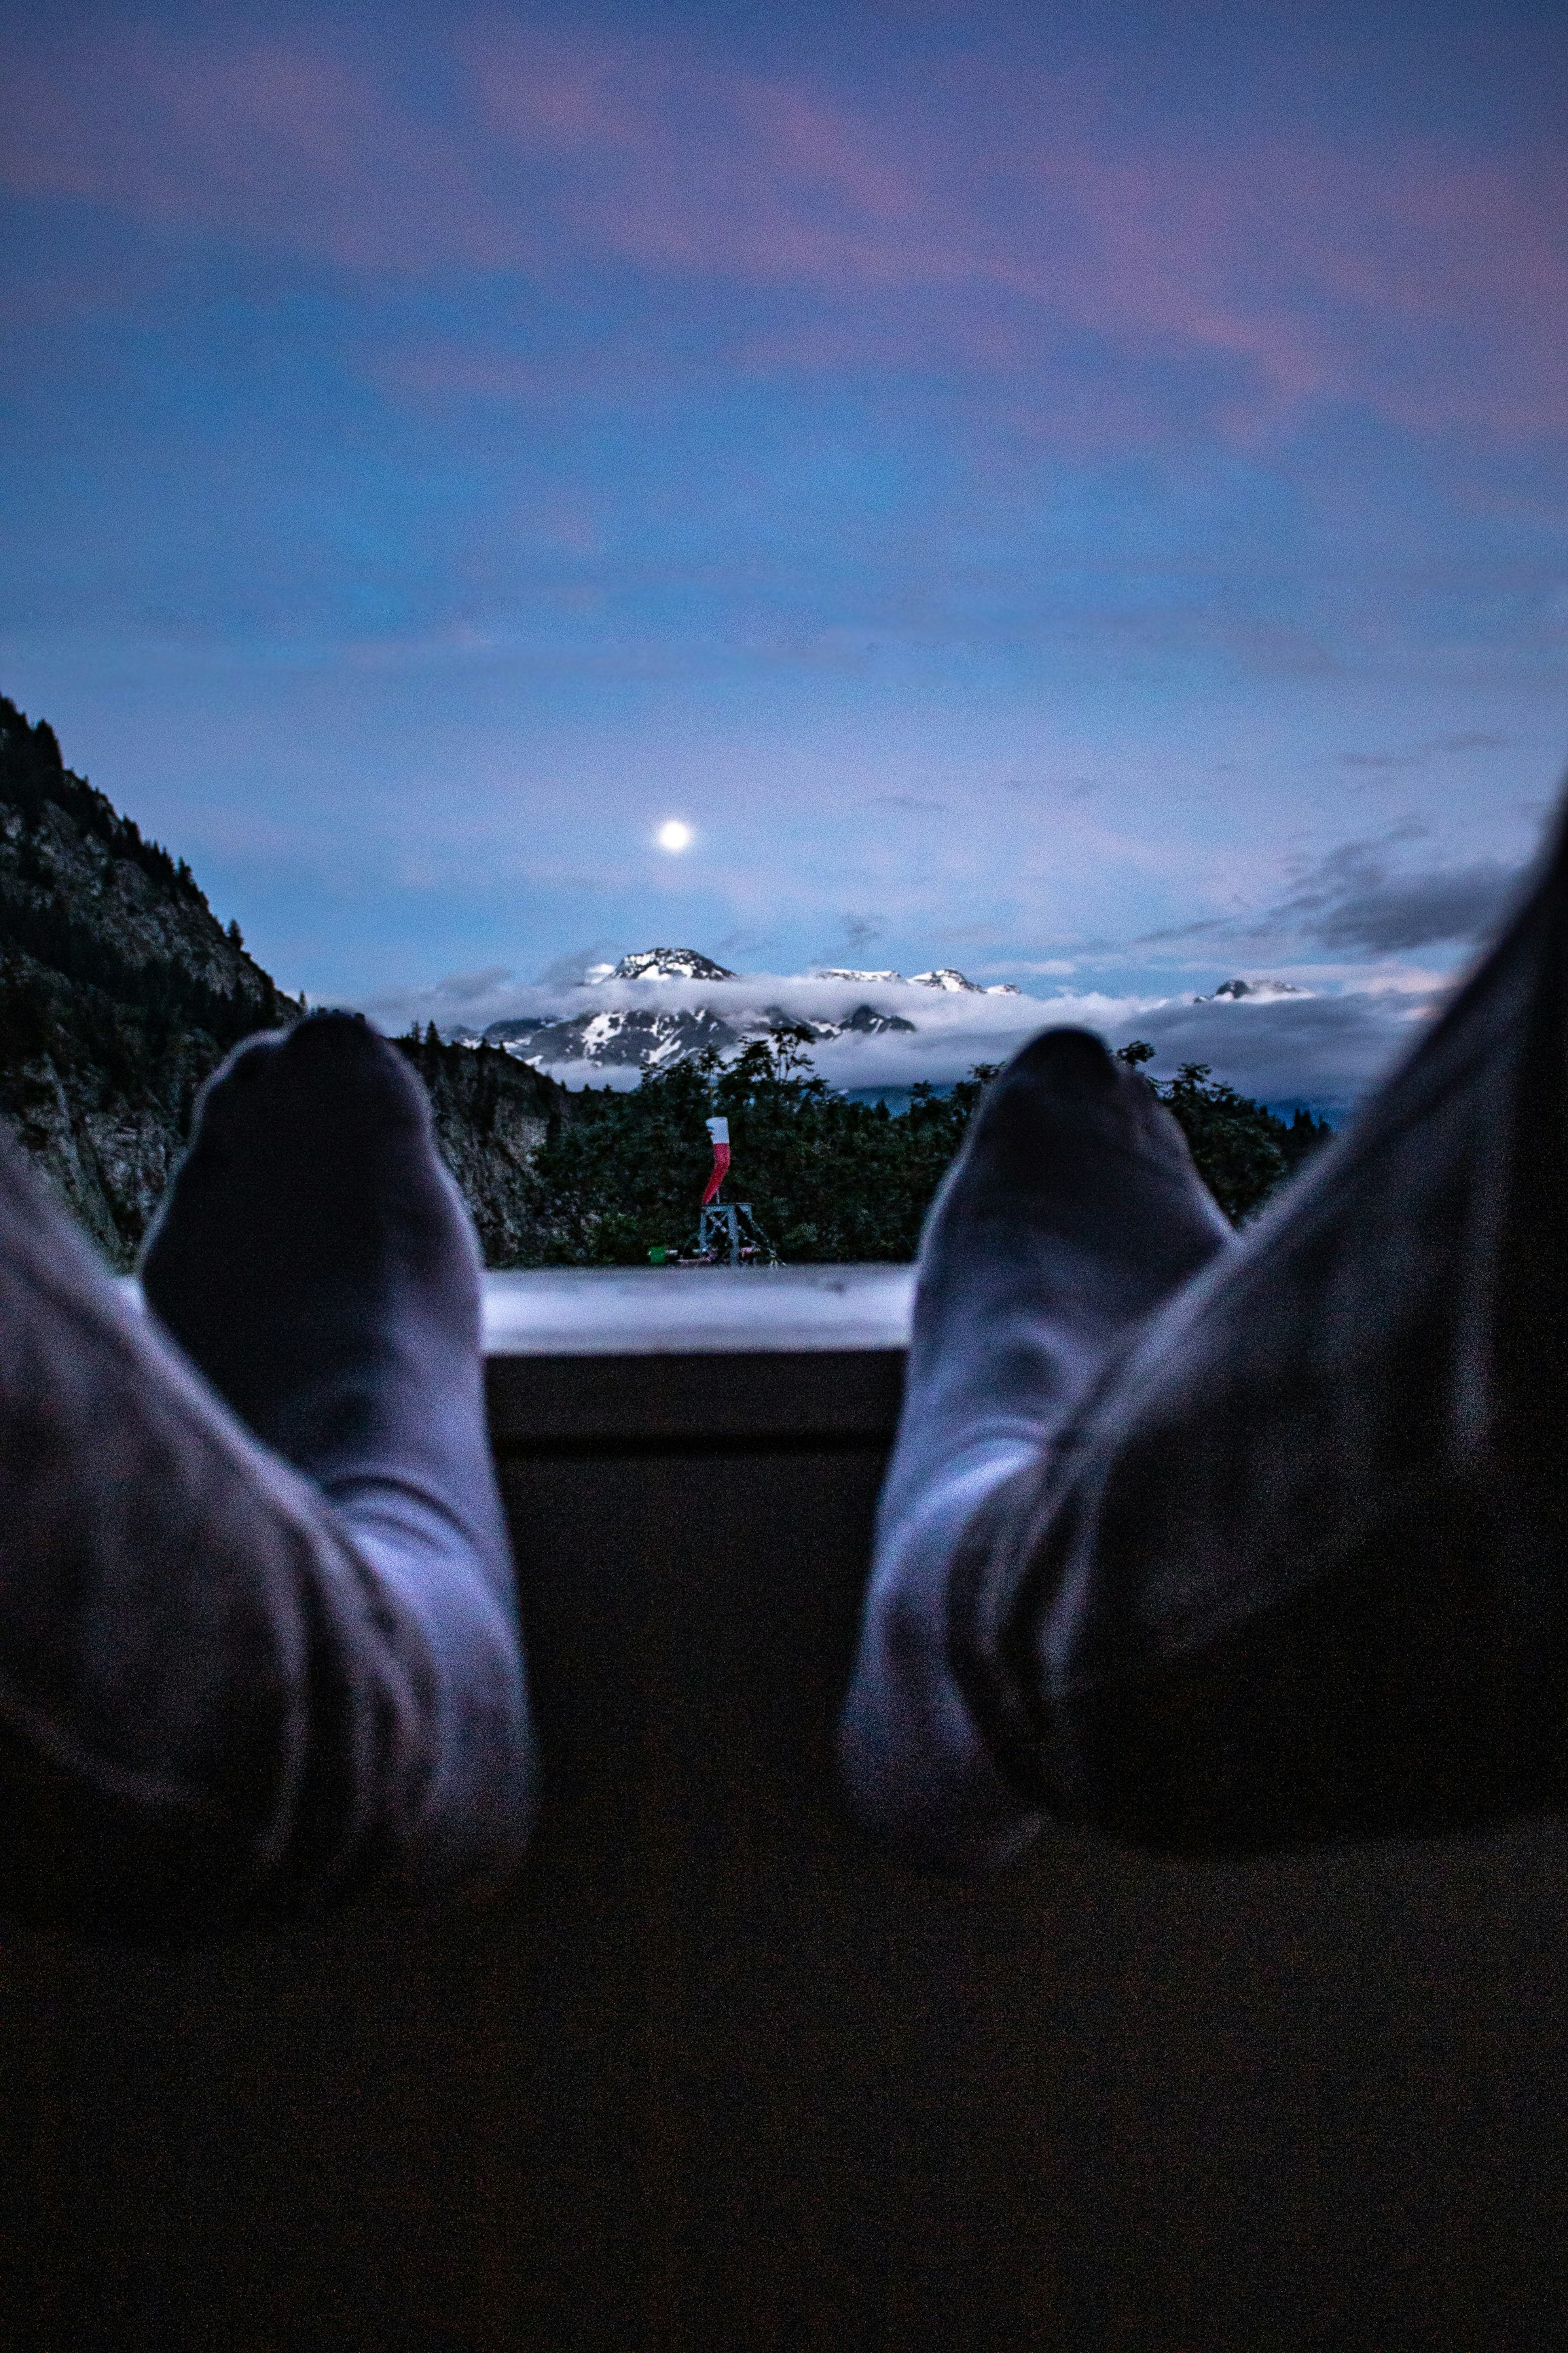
x=652 y=1037
x=945 y=977
x=845 y=972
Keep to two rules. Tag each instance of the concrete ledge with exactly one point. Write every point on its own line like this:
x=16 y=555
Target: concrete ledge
x=701 y=1310
x=609 y=1359
x=698 y=1311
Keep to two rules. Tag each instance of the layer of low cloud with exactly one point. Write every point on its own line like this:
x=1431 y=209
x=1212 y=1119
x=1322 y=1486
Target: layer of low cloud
x=1325 y=1049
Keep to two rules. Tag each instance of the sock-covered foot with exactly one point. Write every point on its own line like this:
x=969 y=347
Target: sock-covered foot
x=1303 y=1577
x=1072 y=1212
x=314 y=1259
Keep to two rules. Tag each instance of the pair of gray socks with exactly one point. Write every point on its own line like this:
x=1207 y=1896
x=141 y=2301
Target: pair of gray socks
x=259 y=1647
x=1222 y=1542
x=1213 y=1543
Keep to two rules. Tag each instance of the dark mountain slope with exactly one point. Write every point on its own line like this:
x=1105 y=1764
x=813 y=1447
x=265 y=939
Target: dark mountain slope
x=119 y=990
x=492 y=1114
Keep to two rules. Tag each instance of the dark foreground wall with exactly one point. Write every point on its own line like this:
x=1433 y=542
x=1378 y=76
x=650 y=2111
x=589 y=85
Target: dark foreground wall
x=716 y=2077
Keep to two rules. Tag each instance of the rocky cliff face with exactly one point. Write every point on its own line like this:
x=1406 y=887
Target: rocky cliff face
x=492 y=1114
x=119 y=991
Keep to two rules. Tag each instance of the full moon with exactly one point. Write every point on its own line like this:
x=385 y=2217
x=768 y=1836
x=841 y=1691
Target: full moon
x=674 y=834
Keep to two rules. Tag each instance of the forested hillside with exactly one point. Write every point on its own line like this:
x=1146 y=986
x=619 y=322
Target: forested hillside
x=829 y=1179
x=119 y=991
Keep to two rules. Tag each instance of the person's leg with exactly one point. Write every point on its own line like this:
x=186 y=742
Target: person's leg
x=1289 y=1567
x=236 y=1686
x=1071 y=1212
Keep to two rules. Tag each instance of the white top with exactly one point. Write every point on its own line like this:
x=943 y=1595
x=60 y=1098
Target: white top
x=691 y=1310
x=696 y=1310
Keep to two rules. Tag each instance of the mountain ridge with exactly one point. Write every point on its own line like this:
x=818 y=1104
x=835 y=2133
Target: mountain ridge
x=121 y=991
x=653 y=1038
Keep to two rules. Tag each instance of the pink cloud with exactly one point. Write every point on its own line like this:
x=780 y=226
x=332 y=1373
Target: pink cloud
x=1451 y=274
x=672 y=163
x=276 y=143
x=1311 y=270
x=905 y=228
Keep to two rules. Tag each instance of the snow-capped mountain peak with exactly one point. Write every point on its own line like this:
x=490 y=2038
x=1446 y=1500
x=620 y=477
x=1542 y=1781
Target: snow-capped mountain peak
x=650 y=1033
x=1261 y=989
x=664 y=963
x=619 y=1038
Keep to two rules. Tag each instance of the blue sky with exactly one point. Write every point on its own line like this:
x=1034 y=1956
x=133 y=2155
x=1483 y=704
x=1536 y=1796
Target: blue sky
x=1078 y=495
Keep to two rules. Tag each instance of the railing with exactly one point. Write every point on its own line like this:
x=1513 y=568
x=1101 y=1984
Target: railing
x=715 y=2075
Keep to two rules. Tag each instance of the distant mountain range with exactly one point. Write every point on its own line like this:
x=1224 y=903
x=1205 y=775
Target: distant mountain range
x=653 y=1037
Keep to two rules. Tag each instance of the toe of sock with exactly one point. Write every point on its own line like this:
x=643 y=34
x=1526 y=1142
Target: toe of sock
x=1074 y=1063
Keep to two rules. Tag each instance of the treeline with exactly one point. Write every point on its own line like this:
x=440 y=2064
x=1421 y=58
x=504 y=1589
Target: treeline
x=84 y=896
x=1243 y=1151
x=34 y=777
x=829 y=1179
x=88 y=1041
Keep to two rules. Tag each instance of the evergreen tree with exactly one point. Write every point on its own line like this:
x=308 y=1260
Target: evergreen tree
x=827 y=1179
x=1241 y=1150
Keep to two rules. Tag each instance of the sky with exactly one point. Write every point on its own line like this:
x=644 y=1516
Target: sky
x=1074 y=493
